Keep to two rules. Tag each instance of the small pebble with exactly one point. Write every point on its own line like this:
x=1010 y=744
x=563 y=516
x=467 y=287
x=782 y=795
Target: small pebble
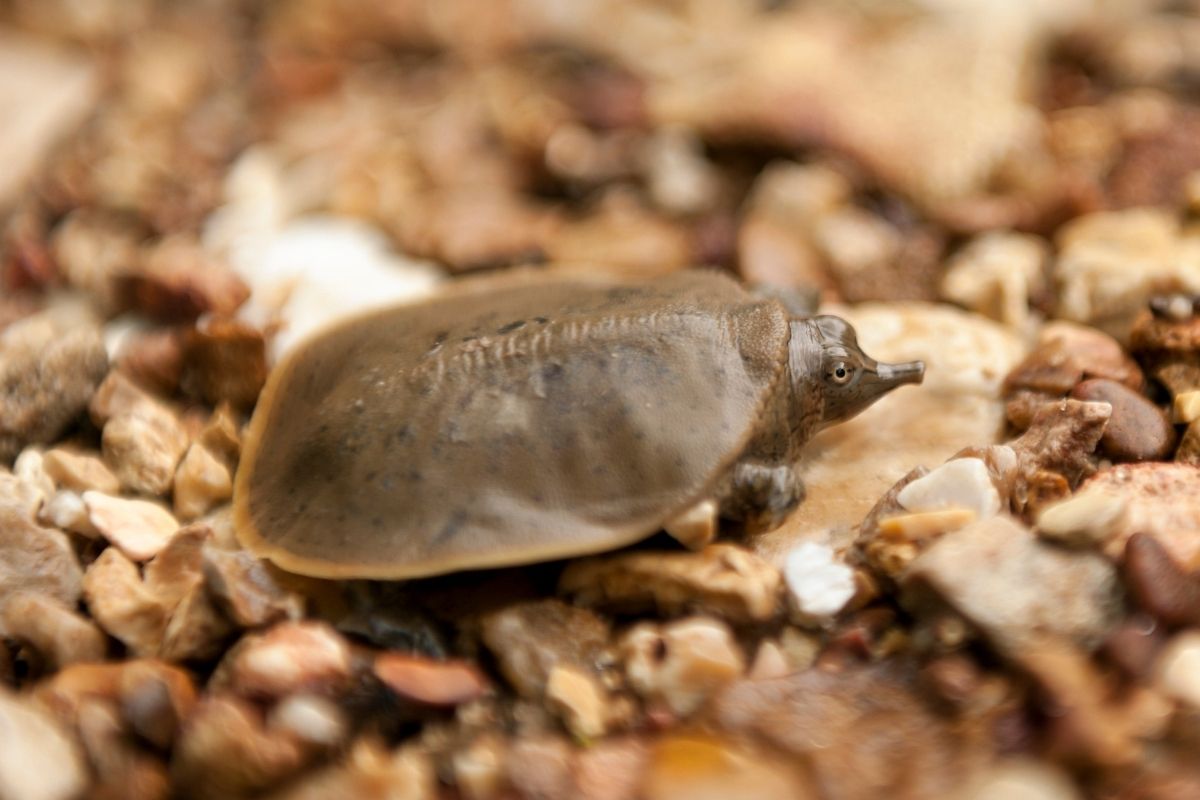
x=1186 y=407
x=578 y=700
x=1157 y=584
x=290 y=657
x=681 y=663
x=122 y=605
x=695 y=528
x=310 y=718
x=1138 y=430
x=1088 y=519
x=721 y=579
x=139 y=528
x=50 y=363
x=30 y=467
x=1179 y=668
x=79 y=472
x=959 y=483
x=819 y=585
x=428 y=681
x=201 y=482
x=478 y=773
x=925 y=524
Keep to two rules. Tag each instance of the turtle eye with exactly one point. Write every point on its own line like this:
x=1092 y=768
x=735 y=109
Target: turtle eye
x=840 y=373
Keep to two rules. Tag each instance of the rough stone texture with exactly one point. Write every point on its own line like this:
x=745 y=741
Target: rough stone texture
x=1015 y=588
x=529 y=639
x=1053 y=456
x=38 y=758
x=1065 y=354
x=1162 y=500
x=862 y=730
x=848 y=467
x=122 y=605
x=1138 y=430
x=36 y=559
x=721 y=579
x=50 y=363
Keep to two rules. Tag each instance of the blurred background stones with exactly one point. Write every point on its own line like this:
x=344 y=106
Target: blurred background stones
x=992 y=586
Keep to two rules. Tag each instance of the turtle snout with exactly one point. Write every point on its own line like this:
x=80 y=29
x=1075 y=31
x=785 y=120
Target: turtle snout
x=899 y=374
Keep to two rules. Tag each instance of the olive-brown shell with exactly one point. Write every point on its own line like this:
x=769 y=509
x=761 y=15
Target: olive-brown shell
x=505 y=423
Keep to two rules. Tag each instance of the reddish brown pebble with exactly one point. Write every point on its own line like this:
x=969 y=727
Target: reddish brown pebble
x=430 y=682
x=1138 y=430
x=1158 y=585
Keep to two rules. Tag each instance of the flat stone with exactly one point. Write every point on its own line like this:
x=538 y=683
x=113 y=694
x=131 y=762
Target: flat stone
x=427 y=681
x=139 y=528
x=1015 y=588
x=848 y=467
x=1086 y=519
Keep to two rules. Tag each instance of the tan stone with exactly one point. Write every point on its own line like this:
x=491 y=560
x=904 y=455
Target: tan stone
x=721 y=579
x=201 y=482
x=122 y=605
x=79 y=472
x=682 y=663
x=139 y=528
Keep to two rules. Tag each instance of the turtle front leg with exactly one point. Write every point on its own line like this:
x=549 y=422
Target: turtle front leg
x=761 y=495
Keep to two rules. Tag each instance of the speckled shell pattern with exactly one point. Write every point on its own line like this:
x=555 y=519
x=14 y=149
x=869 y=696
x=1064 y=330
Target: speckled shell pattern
x=504 y=424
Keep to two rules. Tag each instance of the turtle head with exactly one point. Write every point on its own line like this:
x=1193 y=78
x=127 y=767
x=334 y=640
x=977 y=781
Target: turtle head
x=848 y=379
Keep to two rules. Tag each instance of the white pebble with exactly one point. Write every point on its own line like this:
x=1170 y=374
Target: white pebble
x=819 y=585
x=959 y=483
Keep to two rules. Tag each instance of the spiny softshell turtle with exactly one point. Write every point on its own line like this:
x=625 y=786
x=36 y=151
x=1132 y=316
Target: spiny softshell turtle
x=511 y=422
